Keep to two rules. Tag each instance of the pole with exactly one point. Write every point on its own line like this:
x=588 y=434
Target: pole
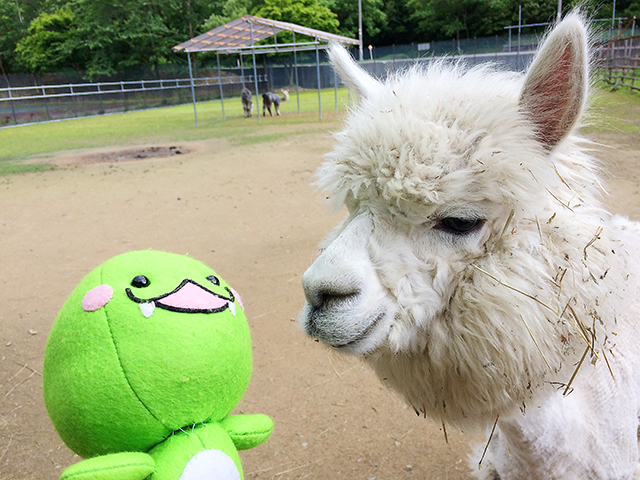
x=193 y=90
x=255 y=72
x=559 y=10
x=220 y=84
x=519 y=30
x=295 y=61
x=318 y=70
x=360 y=28
x=335 y=87
x=241 y=70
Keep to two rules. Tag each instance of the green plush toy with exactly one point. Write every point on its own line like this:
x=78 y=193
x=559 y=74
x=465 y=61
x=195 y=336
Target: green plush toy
x=143 y=365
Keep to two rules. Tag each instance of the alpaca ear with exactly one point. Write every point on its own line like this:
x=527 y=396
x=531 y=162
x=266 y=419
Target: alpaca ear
x=361 y=83
x=555 y=88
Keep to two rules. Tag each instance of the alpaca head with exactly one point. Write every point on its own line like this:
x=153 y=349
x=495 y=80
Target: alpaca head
x=285 y=94
x=466 y=191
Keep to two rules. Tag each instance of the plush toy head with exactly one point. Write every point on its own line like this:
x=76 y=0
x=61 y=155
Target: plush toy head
x=148 y=343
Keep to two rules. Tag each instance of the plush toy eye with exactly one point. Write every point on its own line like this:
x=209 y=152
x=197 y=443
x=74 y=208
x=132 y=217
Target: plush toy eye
x=213 y=279
x=140 y=281
x=459 y=226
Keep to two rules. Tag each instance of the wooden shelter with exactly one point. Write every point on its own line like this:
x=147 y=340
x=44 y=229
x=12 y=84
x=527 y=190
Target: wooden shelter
x=241 y=36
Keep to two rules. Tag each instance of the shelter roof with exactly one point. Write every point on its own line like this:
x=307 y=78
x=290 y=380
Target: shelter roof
x=243 y=33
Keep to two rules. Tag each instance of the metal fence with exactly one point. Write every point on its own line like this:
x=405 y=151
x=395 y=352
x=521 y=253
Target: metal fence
x=29 y=104
x=619 y=63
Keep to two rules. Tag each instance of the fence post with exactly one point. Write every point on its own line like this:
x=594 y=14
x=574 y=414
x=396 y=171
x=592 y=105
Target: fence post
x=124 y=98
x=13 y=110
x=144 y=95
x=46 y=106
x=73 y=99
x=100 y=99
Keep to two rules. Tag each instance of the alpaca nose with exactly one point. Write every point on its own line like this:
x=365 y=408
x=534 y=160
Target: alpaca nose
x=324 y=295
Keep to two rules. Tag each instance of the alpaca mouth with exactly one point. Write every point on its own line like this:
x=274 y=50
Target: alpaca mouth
x=372 y=324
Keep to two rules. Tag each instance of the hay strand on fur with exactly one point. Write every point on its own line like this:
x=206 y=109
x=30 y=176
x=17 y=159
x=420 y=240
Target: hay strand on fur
x=504 y=229
x=604 y=354
x=486 y=447
x=565 y=205
x=513 y=288
x=591 y=242
x=535 y=342
x=575 y=372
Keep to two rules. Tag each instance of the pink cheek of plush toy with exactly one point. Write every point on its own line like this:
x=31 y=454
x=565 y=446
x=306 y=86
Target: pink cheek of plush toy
x=237 y=295
x=97 y=298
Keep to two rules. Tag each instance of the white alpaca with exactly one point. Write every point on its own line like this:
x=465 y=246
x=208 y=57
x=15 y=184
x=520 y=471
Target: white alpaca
x=477 y=270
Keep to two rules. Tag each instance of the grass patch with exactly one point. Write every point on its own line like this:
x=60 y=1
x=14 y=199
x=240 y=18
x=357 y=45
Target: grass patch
x=617 y=111
x=9 y=168
x=164 y=125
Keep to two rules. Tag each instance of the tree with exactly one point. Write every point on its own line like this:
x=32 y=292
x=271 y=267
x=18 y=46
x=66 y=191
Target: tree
x=374 y=19
x=52 y=43
x=231 y=10
x=15 y=18
x=308 y=13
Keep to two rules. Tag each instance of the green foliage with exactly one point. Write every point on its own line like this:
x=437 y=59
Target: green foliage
x=106 y=36
x=309 y=13
x=374 y=18
x=53 y=43
x=231 y=10
x=15 y=17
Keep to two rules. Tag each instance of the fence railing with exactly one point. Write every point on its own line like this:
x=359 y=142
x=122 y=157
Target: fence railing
x=39 y=103
x=619 y=63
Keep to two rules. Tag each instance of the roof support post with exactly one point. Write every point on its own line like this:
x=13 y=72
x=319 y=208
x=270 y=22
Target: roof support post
x=193 y=90
x=220 y=84
x=335 y=87
x=242 y=70
x=295 y=62
x=318 y=71
x=255 y=73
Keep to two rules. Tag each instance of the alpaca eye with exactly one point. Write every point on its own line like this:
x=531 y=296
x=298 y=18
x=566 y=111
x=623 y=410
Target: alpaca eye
x=213 y=279
x=459 y=226
x=140 y=281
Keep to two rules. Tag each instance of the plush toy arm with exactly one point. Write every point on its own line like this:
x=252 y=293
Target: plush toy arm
x=248 y=431
x=116 y=466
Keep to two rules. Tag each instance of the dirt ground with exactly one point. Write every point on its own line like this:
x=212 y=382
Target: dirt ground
x=250 y=212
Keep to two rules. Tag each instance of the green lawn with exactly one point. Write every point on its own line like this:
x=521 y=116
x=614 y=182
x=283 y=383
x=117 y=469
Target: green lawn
x=618 y=111
x=169 y=124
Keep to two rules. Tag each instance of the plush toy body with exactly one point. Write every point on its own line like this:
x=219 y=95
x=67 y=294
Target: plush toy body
x=143 y=365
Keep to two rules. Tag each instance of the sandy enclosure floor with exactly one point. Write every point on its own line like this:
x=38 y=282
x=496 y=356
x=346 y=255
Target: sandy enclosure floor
x=250 y=213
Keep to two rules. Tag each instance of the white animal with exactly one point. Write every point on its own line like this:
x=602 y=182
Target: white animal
x=477 y=270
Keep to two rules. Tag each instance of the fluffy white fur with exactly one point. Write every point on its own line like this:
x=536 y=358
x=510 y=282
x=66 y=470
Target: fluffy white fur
x=488 y=324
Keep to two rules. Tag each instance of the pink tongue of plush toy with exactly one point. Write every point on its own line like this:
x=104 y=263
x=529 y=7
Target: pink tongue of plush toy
x=193 y=297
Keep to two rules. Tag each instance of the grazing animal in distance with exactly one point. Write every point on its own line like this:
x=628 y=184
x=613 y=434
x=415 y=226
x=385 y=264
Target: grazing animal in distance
x=247 y=103
x=270 y=98
x=477 y=269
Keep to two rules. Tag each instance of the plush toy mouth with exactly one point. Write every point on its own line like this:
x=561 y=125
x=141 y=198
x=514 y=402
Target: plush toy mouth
x=188 y=297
